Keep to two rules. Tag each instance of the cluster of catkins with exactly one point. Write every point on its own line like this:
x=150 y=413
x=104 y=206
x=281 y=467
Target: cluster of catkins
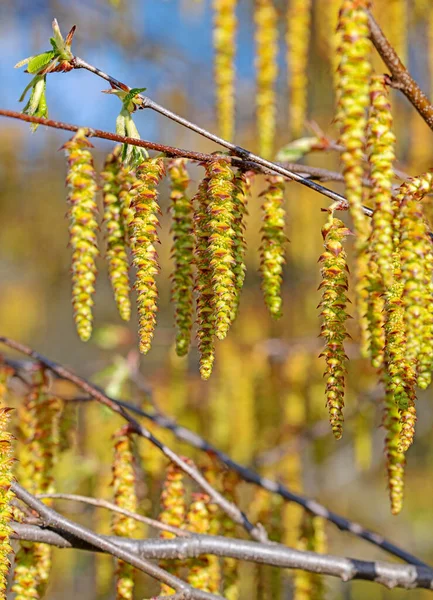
x=394 y=253
x=208 y=243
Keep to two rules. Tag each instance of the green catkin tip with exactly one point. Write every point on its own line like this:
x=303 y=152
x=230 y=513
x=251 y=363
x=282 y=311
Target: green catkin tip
x=203 y=281
x=272 y=248
x=83 y=226
x=333 y=312
x=183 y=253
x=116 y=254
x=143 y=239
x=221 y=191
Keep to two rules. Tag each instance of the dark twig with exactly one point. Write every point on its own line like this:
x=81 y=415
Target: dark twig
x=249 y=475
x=400 y=76
x=388 y=574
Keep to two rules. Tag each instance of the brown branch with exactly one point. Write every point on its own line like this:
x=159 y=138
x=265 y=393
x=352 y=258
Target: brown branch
x=256 y=531
x=400 y=76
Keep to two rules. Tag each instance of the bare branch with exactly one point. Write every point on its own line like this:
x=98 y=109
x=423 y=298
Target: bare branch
x=347 y=569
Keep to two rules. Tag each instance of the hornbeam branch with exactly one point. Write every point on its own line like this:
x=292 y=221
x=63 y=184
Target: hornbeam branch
x=347 y=569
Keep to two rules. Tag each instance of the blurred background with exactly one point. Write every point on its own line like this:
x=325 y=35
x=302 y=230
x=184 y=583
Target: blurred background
x=264 y=403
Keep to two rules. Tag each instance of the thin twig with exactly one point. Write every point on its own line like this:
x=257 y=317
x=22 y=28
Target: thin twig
x=101 y=503
x=388 y=574
x=400 y=76
x=256 y=531
x=53 y=519
x=250 y=476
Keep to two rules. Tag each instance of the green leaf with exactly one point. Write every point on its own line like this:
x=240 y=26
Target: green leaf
x=297 y=149
x=130 y=101
x=30 y=85
x=39 y=62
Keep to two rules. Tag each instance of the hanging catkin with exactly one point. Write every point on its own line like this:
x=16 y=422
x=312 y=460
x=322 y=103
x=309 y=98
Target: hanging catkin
x=125 y=497
x=298 y=38
x=143 y=238
x=310 y=586
x=224 y=39
x=6 y=477
x=266 y=37
x=333 y=311
x=272 y=248
x=116 y=254
x=242 y=184
x=81 y=181
x=221 y=209
x=395 y=458
x=183 y=253
x=198 y=521
x=203 y=281
x=353 y=77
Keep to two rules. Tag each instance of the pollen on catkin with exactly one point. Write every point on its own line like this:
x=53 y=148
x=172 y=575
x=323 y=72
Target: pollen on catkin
x=298 y=38
x=224 y=40
x=116 y=254
x=173 y=513
x=266 y=37
x=143 y=238
x=272 y=248
x=125 y=497
x=333 y=312
x=381 y=156
x=83 y=226
x=395 y=458
x=181 y=209
x=353 y=76
x=203 y=281
x=221 y=191
x=6 y=478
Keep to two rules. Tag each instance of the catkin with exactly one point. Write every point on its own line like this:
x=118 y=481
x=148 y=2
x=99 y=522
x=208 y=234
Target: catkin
x=395 y=458
x=381 y=156
x=143 y=238
x=173 y=512
x=266 y=37
x=353 y=77
x=198 y=521
x=272 y=248
x=298 y=38
x=221 y=208
x=83 y=226
x=310 y=586
x=230 y=568
x=224 y=40
x=183 y=254
x=203 y=281
x=125 y=497
x=333 y=312
x=6 y=478
x=116 y=254
x=242 y=184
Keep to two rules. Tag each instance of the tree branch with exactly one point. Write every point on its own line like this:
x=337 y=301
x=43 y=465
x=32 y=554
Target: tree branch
x=400 y=76
x=250 y=476
x=347 y=569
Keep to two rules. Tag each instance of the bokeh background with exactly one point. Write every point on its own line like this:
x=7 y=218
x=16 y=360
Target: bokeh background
x=265 y=402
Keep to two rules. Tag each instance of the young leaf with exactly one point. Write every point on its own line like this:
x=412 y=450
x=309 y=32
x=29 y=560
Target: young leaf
x=130 y=100
x=39 y=62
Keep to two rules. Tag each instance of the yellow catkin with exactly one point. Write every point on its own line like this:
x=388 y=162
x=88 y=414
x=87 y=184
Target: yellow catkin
x=395 y=458
x=183 y=253
x=310 y=586
x=116 y=254
x=272 y=248
x=242 y=184
x=230 y=567
x=298 y=38
x=144 y=237
x=6 y=478
x=203 y=281
x=125 y=497
x=333 y=312
x=266 y=37
x=37 y=450
x=224 y=40
x=375 y=315
x=353 y=77
x=221 y=209
x=381 y=156
x=198 y=521
x=173 y=512
x=83 y=226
